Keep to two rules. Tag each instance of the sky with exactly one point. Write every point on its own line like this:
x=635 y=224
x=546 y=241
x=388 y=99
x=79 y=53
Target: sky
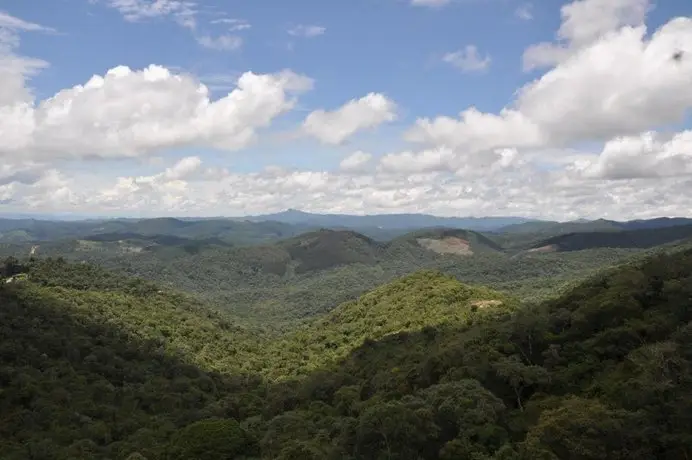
x=554 y=110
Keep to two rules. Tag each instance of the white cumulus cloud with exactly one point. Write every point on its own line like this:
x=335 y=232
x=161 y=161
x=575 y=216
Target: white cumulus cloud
x=583 y=23
x=336 y=126
x=129 y=113
x=644 y=156
x=355 y=161
x=622 y=84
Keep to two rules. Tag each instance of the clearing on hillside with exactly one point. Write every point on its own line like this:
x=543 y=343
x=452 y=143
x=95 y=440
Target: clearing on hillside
x=546 y=248
x=447 y=245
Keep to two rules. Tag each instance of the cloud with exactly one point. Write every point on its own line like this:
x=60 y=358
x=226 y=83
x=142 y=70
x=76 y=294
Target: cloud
x=607 y=82
x=468 y=60
x=524 y=12
x=448 y=160
x=336 y=126
x=476 y=131
x=183 y=12
x=642 y=156
x=355 y=162
x=220 y=81
x=22 y=173
x=15 y=70
x=307 y=31
x=623 y=84
x=431 y=3
x=130 y=113
x=234 y=25
x=12 y=23
x=513 y=188
x=585 y=22
x=221 y=43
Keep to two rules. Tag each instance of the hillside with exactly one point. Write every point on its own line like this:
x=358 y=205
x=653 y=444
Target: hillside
x=99 y=366
x=327 y=248
x=449 y=241
x=294 y=279
x=95 y=365
x=639 y=239
x=551 y=227
x=409 y=304
x=605 y=371
x=230 y=231
x=556 y=228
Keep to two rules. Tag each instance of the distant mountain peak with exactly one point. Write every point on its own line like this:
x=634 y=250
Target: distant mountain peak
x=294 y=211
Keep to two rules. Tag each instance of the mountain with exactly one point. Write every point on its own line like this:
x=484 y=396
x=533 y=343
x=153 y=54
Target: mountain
x=558 y=228
x=236 y=232
x=387 y=221
x=583 y=225
x=661 y=222
x=641 y=239
x=100 y=366
x=450 y=241
x=326 y=249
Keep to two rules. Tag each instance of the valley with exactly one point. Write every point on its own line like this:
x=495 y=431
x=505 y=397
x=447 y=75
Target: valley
x=438 y=343
x=284 y=281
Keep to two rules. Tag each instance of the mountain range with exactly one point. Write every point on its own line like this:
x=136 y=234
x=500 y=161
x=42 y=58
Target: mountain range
x=253 y=229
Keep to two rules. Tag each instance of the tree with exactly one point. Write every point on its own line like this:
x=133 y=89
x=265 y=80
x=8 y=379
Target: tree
x=395 y=430
x=520 y=376
x=209 y=440
x=585 y=429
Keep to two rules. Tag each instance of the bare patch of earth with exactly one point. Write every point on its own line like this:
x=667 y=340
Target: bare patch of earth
x=447 y=245
x=486 y=303
x=549 y=248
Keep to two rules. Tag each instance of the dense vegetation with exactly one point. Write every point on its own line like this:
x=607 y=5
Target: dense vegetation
x=230 y=231
x=95 y=365
x=642 y=238
x=294 y=279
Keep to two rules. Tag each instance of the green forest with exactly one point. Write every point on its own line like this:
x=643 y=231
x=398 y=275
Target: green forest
x=96 y=364
x=286 y=282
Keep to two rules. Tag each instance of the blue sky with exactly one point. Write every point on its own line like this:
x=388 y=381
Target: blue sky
x=386 y=46
x=390 y=47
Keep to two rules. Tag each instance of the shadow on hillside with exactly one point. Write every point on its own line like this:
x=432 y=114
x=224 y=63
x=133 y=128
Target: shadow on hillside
x=641 y=239
x=612 y=354
x=74 y=388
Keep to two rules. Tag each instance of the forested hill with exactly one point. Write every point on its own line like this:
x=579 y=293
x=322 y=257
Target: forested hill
x=604 y=372
x=425 y=299
x=96 y=366
x=640 y=238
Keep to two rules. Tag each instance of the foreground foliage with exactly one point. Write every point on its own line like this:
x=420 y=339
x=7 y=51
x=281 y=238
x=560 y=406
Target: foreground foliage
x=603 y=372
